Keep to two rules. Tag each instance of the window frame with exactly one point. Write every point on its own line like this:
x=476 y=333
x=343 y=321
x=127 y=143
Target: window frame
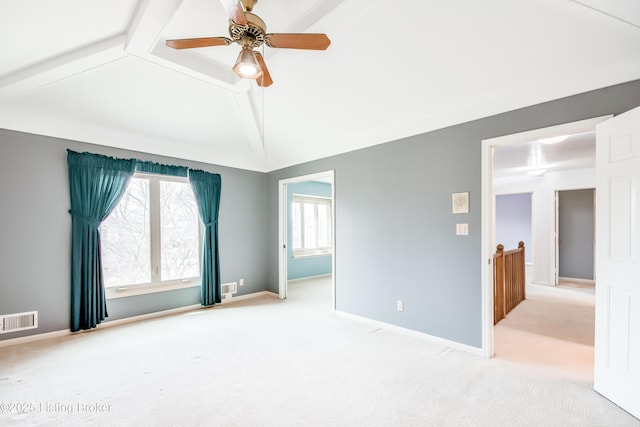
x=155 y=237
x=318 y=251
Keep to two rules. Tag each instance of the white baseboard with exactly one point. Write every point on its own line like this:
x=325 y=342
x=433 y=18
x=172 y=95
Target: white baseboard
x=110 y=323
x=570 y=279
x=36 y=337
x=452 y=344
x=249 y=296
x=319 y=276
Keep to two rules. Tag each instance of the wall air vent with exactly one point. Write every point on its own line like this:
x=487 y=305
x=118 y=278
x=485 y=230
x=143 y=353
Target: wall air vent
x=18 y=322
x=228 y=289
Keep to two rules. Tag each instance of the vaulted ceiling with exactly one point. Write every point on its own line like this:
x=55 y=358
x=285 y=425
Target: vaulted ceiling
x=99 y=71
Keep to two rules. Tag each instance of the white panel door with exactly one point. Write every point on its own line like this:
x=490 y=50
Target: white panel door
x=617 y=333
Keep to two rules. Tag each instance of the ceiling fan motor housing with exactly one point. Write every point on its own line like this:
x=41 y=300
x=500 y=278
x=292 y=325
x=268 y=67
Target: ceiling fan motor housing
x=250 y=35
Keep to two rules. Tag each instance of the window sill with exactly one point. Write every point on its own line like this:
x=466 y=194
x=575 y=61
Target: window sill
x=312 y=255
x=129 y=291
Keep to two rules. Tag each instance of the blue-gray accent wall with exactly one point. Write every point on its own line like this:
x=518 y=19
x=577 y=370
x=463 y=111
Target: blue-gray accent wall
x=395 y=233
x=513 y=222
x=35 y=232
x=576 y=228
x=298 y=268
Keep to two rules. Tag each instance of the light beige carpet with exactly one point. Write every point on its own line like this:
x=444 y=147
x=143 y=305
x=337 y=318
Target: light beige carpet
x=265 y=362
x=553 y=327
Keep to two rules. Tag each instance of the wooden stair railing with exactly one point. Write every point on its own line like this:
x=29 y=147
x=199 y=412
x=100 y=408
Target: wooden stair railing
x=508 y=280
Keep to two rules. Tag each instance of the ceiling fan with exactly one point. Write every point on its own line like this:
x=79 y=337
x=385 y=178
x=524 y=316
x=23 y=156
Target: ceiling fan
x=250 y=32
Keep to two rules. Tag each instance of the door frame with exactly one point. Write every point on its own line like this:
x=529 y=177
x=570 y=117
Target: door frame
x=283 y=226
x=557 y=232
x=488 y=210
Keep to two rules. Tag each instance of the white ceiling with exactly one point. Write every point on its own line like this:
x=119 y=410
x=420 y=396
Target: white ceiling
x=578 y=151
x=99 y=72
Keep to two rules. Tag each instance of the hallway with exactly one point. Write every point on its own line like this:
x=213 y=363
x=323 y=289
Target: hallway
x=552 y=327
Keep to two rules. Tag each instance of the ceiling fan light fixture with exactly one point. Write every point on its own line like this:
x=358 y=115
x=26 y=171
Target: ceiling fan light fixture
x=247 y=66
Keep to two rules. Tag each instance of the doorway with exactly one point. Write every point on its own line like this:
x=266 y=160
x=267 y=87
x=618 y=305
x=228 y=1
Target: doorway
x=294 y=263
x=575 y=243
x=544 y=255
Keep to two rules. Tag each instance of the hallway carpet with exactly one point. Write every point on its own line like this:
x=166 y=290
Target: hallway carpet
x=552 y=327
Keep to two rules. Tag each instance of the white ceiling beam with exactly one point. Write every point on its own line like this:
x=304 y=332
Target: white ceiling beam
x=195 y=66
x=146 y=26
x=252 y=115
x=145 y=41
x=62 y=67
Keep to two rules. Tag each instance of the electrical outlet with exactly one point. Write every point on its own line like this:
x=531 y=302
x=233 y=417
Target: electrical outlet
x=241 y=282
x=400 y=305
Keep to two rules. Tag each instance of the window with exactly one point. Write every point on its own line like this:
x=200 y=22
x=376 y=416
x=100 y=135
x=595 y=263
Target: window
x=311 y=226
x=151 y=240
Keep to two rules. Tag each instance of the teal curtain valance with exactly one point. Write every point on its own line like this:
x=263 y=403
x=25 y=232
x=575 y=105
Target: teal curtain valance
x=157 y=168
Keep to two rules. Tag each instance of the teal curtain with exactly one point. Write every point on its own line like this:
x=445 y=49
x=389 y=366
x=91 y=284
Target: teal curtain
x=206 y=188
x=96 y=184
x=157 y=168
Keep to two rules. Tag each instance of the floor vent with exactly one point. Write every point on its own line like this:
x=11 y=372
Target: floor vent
x=18 y=322
x=228 y=289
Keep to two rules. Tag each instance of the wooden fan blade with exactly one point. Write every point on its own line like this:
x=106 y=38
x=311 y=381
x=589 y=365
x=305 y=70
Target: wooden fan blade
x=198 y=42
x=234 y=11
x=298 y=41
x=265 y=79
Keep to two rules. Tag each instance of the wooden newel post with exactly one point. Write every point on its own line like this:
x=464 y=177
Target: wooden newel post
x=498 y=284
x=523 y=270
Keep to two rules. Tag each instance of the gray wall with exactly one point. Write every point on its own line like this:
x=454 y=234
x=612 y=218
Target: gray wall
x=35 y=232
x=395 y=234
x=298 y=268
x=576 y=230
x=513 y=222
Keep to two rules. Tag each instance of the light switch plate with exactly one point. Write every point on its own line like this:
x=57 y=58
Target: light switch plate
x=462 y=229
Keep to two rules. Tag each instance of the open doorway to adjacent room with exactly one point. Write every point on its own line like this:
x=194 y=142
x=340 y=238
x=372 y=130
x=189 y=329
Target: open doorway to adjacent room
x=575 y=239
x=306 y=239
x=551 y=326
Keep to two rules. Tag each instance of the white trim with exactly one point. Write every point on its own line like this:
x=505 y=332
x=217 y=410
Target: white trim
x=156 y=314
x=248 y=296
x=486 y=236
x=488 y=209
x=114 y=292
x=318 y=276
x=154 y=181
x=282 y=230
x=315 y=253
x=576 y=280
x=311 y=198
x=452 y=344
x=108 y=324
x=32 y=338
